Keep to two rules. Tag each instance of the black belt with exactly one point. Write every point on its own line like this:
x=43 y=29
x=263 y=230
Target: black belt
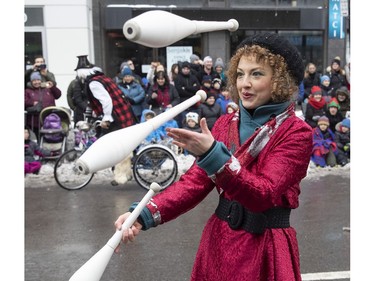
x=239 y=217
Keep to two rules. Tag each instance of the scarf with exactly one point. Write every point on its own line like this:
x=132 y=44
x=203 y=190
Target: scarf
x=163 y=95
x=255 y=144
x=317 y=104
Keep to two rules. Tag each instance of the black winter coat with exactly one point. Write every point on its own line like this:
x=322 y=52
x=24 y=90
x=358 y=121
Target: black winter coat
x=312 y=114
x=334 y=119
x=211 y=113
x=341 y=139
x=186 y=85
x=338 y=79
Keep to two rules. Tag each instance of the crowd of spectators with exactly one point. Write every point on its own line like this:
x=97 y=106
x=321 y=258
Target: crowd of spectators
x=325 y=104
x=324 y=98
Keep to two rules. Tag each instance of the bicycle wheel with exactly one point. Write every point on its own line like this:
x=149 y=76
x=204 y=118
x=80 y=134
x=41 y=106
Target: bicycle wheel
x=67 y=174
x=155 y=164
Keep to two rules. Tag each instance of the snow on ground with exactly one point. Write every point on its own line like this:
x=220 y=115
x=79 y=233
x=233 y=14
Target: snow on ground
x=46 y=178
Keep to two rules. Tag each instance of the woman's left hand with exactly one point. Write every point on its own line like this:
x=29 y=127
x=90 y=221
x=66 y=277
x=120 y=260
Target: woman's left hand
x=195 y=143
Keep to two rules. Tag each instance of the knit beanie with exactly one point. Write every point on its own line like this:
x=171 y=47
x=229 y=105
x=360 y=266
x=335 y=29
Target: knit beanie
x=336 y=60
x=206 y=78
x=193 y=58
x=35 y=76
x=124 y=64
x=192 y=116
x=323 y=120
x=346 y=123
x=126 y=71
x=216 y=80
x=233 y=105
x=185 y=64
x=210 y=94
x=280 y=46
x=219 y=62
x=316 y=90
x=324 y=78
x=334 y=103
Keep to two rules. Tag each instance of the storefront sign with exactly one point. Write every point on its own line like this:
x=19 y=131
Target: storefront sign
x=177 y=53
x=335 y=29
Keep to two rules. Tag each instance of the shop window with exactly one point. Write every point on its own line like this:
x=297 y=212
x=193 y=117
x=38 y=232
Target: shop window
x=33 y=47
x=120 y=49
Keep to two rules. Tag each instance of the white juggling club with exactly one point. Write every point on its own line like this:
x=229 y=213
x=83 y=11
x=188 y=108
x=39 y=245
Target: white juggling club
x=158 y=28
x=94 y=268
x=112 y=148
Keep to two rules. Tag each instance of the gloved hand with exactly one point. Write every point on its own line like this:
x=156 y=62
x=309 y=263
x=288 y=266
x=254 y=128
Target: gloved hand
x=130 y=100
x=315 y=118
x=346 y=147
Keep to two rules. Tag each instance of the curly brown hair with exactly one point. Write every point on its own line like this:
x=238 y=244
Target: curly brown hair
x=284 y=86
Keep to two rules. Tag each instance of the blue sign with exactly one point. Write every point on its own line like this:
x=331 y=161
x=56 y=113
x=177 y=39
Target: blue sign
x=335 y=28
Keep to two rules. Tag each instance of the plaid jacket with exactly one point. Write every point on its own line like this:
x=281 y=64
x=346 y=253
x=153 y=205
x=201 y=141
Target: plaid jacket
x=122 y=112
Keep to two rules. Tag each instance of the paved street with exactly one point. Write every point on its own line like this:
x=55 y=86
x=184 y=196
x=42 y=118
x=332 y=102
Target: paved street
x=64 y=229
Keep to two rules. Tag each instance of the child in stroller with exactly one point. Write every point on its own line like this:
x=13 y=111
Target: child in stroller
x=55 y=129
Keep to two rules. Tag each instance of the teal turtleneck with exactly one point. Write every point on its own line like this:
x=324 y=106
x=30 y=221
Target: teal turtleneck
x=249 y=122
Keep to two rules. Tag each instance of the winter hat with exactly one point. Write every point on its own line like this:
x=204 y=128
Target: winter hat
x=324 y=78
x=219 y=62
x=206 y=59
x=233 y=105
x=192 y=116
x=185 y=64
x=346 y=123
x=124 y=64
x=35 y=76
x=216 y=80
x=316 y=90
x=126 y=71
x=334 y=103
x=343 y=90
x=336 y=60
x=150 y=113
x=323 y=120
x=206 y=78
x=83 y=62
x=280 y=46
x=193 y=58
x=210 y=94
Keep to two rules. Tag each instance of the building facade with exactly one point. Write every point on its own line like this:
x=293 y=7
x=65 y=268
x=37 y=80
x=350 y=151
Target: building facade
x=61 y=30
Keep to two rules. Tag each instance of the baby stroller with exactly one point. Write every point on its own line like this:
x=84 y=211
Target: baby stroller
x=55 y=124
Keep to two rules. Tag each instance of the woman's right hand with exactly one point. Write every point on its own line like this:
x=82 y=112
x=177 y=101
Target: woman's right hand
x=197 y=143
x=128 y=234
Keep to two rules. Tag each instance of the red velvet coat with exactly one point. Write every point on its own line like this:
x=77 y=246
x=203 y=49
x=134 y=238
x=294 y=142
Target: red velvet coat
x=271 y=180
